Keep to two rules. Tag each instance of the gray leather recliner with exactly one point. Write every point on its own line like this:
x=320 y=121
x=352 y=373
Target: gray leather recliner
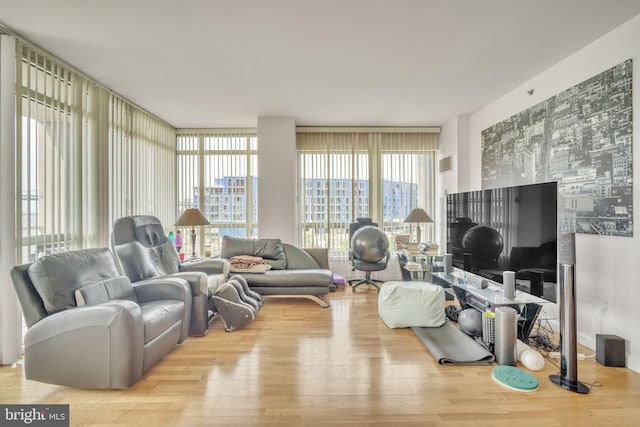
x=89 y=327
x=145 y=254
x=236 y=303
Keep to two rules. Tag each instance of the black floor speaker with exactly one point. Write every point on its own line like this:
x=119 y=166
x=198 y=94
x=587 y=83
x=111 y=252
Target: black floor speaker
x=610 y=350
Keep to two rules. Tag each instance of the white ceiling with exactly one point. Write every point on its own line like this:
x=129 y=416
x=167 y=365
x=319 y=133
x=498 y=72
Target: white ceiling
x=223 y=63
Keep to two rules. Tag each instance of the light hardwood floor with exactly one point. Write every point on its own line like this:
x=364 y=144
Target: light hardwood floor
x=299 y=364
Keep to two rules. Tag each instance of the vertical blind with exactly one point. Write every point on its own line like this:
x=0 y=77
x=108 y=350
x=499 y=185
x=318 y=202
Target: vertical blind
x=346 y=175
x=143 y=159
x=84 y=157
x=49 y=100
x=333 y=174
x=217 y=173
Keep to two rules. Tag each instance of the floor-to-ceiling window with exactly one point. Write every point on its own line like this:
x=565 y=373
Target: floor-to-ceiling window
x=407 y=165
x=84 y=157
x=49 y=102
x=217 y=173
x=333 y=170
x=347 y=174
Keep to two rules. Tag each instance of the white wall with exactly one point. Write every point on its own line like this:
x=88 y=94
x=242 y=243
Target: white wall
x=277 y=178
x=607 y=268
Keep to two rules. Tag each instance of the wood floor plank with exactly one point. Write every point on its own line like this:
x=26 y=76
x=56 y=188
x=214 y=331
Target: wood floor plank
x=299 y=364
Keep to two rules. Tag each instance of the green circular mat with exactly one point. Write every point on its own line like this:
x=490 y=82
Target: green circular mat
x=515 y=378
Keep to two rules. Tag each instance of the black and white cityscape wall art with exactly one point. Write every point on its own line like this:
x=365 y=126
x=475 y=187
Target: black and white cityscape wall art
x=581 y=138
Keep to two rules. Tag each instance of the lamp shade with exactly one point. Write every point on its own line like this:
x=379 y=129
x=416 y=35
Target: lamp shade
x=418 y=215
x=192 y=217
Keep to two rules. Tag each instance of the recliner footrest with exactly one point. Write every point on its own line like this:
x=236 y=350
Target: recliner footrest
x=234 y=306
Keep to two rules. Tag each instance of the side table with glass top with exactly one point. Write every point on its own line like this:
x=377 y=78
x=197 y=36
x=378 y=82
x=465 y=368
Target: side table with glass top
x=418 y=267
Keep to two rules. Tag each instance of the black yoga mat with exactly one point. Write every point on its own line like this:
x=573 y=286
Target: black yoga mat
x=450 y=346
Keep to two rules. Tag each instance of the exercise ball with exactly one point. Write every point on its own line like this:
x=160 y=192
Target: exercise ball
x=369 y=244
x=484 y=243
x=470 y=322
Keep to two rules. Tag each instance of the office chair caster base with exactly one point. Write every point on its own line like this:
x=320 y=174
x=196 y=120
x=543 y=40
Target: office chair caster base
x=370 y=282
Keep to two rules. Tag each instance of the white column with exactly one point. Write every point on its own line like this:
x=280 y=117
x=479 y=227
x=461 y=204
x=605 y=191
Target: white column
x=277 y=179
x=10 y=318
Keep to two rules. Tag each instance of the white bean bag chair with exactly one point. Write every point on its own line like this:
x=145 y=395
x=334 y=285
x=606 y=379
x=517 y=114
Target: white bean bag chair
x=408 y=304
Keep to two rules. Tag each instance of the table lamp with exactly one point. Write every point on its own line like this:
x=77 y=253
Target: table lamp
x=418 y=215
x=192 y=217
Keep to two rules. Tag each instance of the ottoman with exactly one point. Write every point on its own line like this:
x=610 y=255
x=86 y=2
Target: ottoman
x=408 y=304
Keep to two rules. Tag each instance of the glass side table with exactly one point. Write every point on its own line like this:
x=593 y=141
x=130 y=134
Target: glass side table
x=420 y=266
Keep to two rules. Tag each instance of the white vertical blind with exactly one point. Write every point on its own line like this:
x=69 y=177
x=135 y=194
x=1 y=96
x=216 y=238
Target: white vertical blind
x=409 y=180
x=217 y=173
x=47 y=100
x=85 y=157
x=143 y=163
x=333 y=173
x=345 y=175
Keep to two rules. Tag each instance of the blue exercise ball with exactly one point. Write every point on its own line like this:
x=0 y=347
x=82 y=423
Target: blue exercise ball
x=470 y=322
x=369 y=244
x=484 y=243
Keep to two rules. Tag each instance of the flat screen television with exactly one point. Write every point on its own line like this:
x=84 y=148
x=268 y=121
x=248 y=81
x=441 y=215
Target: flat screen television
x=510 y=228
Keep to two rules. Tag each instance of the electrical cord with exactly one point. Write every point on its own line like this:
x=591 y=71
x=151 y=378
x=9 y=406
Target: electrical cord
x=543 y=342
x=590 y=386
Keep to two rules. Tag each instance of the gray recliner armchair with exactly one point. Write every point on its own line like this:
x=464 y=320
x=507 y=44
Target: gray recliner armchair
x=89 y=327
x=145 y=254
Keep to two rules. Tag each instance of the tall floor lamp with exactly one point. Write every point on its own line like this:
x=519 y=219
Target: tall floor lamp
x=418 y=215
x=192 y=217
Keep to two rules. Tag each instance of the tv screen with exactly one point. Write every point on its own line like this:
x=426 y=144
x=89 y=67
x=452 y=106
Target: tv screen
x=510 y=228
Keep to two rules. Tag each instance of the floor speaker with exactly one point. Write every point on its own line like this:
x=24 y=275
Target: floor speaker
x=610 y=350
x=568 y=378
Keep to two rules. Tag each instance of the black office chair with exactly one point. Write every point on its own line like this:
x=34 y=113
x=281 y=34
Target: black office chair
x=368 y=251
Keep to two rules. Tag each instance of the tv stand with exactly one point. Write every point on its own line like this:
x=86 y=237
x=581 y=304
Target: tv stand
x=480 y=293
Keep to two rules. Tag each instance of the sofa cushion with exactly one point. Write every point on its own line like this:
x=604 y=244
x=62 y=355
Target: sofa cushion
x=106 y=290
x=56 y=277
x=290 y=278
x=270 y=250
x=158 y=316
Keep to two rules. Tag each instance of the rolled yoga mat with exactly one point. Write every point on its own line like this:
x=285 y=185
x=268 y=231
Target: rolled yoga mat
x=450 y=346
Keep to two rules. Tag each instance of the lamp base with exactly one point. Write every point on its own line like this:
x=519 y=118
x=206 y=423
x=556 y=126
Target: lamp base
x=193 y=243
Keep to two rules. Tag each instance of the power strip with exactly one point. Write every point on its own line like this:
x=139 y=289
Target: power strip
x=556 y=355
